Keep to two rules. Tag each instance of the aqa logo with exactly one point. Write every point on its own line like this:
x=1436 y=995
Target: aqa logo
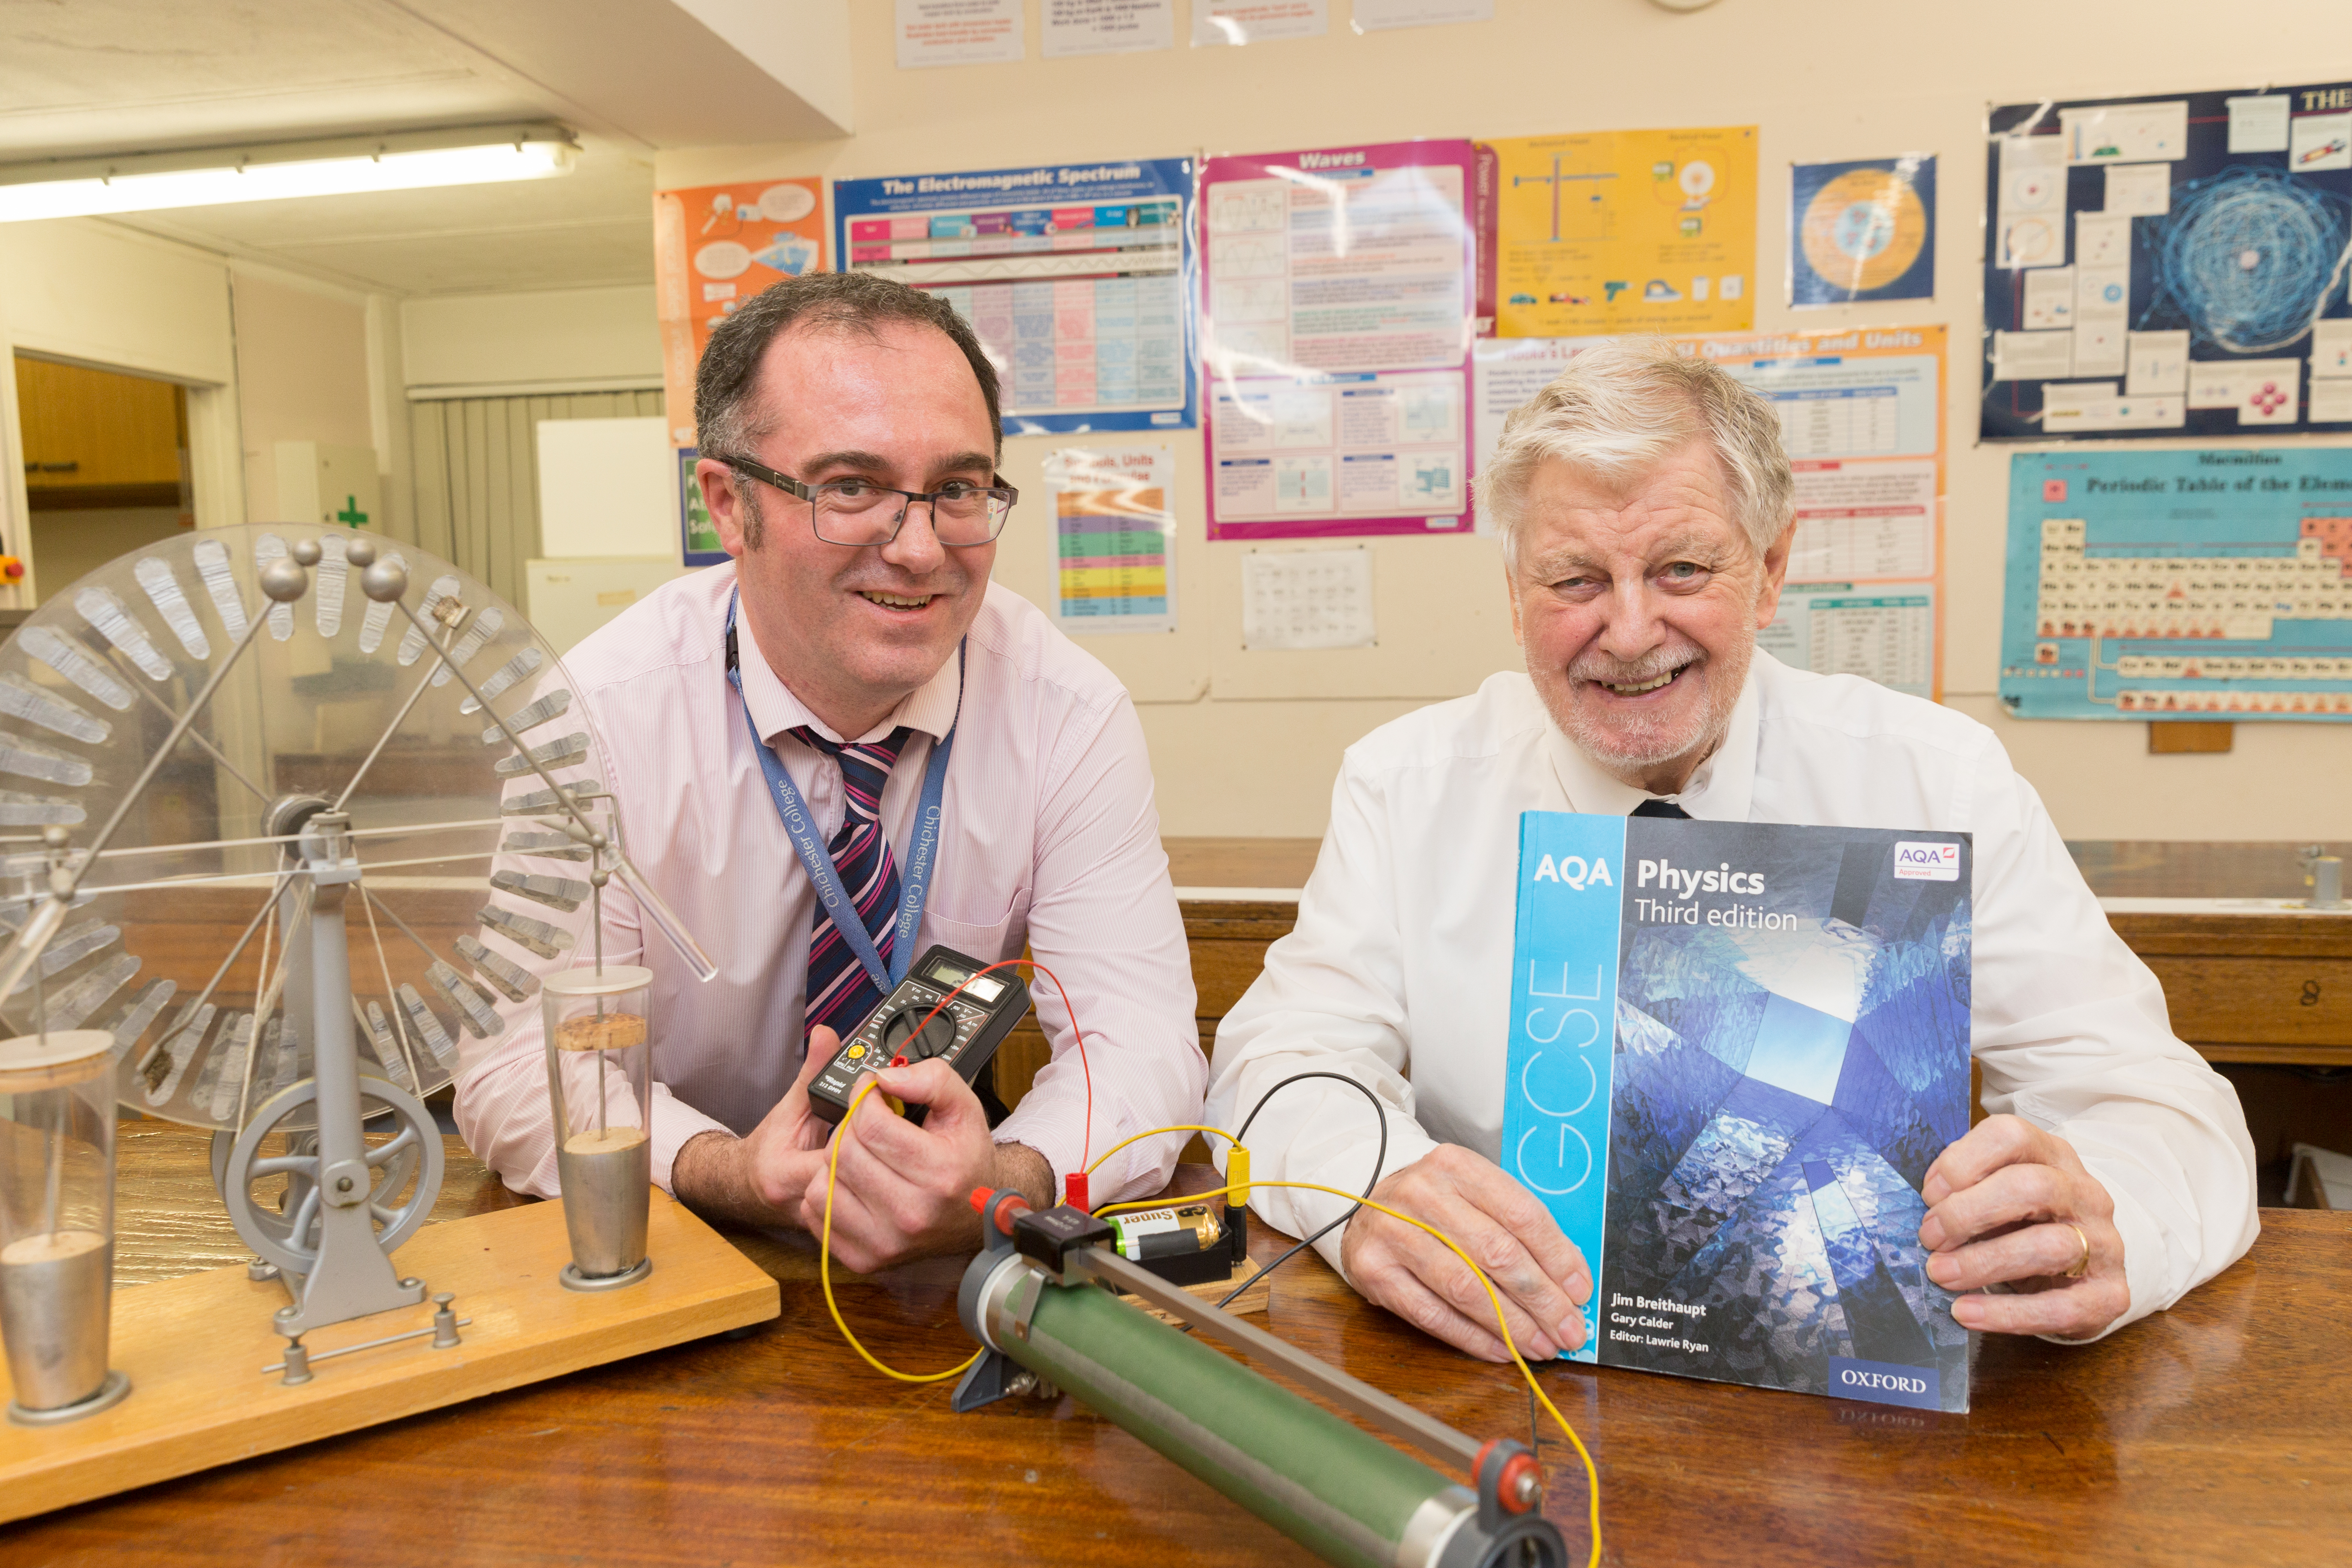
x=1920 y=862
x=1571 y=872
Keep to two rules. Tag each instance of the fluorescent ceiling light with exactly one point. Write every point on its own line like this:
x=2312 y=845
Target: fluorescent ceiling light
x=405 y=161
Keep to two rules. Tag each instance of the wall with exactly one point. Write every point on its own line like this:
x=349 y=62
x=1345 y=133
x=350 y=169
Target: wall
x=476 y=475
x=573 y=340
x=1824 y=81
x=86 y=290
x=302 y=360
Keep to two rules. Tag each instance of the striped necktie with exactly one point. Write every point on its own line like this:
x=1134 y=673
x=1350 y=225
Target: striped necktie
x=840 y=993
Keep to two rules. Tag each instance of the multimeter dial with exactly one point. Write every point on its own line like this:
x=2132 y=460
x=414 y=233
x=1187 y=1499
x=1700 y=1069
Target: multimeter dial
x=904 y=1032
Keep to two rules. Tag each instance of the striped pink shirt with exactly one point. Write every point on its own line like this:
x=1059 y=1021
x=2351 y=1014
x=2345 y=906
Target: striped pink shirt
x=1050 y=838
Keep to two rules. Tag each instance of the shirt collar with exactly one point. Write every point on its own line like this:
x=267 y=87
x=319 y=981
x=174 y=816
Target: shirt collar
x=1721 y=791
x=930 y=709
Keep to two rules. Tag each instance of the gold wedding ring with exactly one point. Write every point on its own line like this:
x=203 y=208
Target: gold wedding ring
x=2081 y=1264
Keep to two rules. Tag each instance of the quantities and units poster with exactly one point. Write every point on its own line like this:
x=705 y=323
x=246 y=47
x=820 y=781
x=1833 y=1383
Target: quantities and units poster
x=1862 y=418
x=1073 y=276
x=1114 y=539
x=1337 y=291
x=2170 y=265
x=1619 y=231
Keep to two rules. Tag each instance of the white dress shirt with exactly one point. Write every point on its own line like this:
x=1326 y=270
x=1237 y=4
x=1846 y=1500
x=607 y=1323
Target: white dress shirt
x=1399 y=971
x=1050 y=838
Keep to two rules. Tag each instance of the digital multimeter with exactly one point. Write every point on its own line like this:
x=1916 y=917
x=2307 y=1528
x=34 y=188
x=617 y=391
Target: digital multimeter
x=965 y=1034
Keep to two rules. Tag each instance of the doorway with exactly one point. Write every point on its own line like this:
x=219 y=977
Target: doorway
x=106 y=466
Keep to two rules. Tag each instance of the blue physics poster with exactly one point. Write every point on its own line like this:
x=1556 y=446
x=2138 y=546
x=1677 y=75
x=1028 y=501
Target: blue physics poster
x=1074 y=277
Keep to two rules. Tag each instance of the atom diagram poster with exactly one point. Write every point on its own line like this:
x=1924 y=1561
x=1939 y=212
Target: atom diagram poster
x=2169 y=266
x=1862 y=231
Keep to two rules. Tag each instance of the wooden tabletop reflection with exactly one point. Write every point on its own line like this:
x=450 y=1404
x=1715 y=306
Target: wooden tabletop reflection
x=2215 y=1433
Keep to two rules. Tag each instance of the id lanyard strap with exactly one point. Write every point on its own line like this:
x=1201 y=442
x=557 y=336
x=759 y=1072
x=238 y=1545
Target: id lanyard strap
x=923 y=853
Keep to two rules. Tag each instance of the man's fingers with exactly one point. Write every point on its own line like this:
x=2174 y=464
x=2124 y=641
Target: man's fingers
x=2040 y=1251
x=1394 y=1287
x=1995 y=1141
x=822 y=1042
x=1530 y=1224
x=2082 y=1307
x=1533 y=1323
x=2012 y=1195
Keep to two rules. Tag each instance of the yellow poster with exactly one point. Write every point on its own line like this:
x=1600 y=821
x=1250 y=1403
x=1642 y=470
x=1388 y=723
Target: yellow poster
x=1624 y=231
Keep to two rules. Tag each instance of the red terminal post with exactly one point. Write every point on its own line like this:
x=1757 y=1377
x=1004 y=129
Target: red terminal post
x=1073 y=1191
x=1014 y=1206
x=1519 y=1488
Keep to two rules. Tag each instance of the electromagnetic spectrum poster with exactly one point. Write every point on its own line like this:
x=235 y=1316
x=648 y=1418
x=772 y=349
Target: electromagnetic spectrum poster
x=2180 y=584
x=1862 y=418
x=1337 y=291
x=1619 y=231
x=1073 y=276
x=2169 y=266
x=714 y=248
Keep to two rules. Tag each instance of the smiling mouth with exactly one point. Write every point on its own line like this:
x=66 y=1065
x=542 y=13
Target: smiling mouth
x=1637 y=688
x=895 y=600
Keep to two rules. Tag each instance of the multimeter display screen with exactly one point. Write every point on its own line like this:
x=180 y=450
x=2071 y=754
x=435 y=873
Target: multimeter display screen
x=953 y=974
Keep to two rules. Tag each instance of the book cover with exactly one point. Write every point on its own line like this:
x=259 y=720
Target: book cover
x=1736 y=1049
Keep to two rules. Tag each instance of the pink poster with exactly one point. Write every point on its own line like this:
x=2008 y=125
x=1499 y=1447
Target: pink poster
x=1337 y=297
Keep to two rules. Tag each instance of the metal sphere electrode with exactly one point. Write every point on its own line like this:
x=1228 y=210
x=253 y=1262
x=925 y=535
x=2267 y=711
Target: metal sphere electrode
x=361 y=553
x=284 y=581
x=384 y=581
x=307 y=551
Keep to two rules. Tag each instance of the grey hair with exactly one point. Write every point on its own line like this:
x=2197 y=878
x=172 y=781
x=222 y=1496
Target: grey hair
x=1619 y=411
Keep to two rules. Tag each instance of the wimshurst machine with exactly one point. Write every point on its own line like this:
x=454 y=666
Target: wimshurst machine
x=343 y=781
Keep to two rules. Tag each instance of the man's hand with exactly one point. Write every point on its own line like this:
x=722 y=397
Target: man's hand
x=905 y=1192
x=1539 y=1273
x=758 y=1180
x=2011 y=1205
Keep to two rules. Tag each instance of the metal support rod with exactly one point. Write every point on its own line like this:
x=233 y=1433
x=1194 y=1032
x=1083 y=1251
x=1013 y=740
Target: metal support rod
x=275 y=985
x=663 y=916
x=369 y=1344
x=236 y=949
x=166 y=708
x=1424 y=1431
x=424 y=683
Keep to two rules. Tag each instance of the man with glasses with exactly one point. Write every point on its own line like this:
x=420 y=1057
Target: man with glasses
x=851 y=706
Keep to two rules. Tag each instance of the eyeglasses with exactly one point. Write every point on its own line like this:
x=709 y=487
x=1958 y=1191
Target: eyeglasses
x=858 y=512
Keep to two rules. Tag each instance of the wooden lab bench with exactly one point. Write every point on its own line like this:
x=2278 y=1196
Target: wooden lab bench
x=2213 y=1433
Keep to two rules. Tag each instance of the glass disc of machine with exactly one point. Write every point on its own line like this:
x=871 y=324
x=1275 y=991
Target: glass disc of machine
x=338 y=702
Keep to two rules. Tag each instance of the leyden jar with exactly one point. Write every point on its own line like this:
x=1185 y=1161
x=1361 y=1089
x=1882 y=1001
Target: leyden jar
x=600 y=1075
x=56 y=1224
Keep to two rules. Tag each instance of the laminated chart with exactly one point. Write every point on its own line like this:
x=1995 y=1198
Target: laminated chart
x=1862 y=422
x=1336 y=298
x=1619 y=231
x=1074 y=277
x=714 y=248
x=2170 y=265
x=2180 y=584
x=1114 y=539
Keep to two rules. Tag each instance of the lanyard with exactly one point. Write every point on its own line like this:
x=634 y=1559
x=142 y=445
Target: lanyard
x=915 y=877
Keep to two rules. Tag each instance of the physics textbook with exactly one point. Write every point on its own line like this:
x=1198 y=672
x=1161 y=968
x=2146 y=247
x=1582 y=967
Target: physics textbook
x=1736 y=1049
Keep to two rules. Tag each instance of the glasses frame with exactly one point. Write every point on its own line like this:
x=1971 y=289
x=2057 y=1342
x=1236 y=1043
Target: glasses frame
x=798 y=492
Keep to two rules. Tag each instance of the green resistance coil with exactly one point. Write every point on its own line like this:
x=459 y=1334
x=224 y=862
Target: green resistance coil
x=1344 y=1494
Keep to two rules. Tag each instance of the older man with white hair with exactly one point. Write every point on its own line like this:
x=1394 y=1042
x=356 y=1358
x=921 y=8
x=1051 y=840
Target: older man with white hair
x=1646 y=515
